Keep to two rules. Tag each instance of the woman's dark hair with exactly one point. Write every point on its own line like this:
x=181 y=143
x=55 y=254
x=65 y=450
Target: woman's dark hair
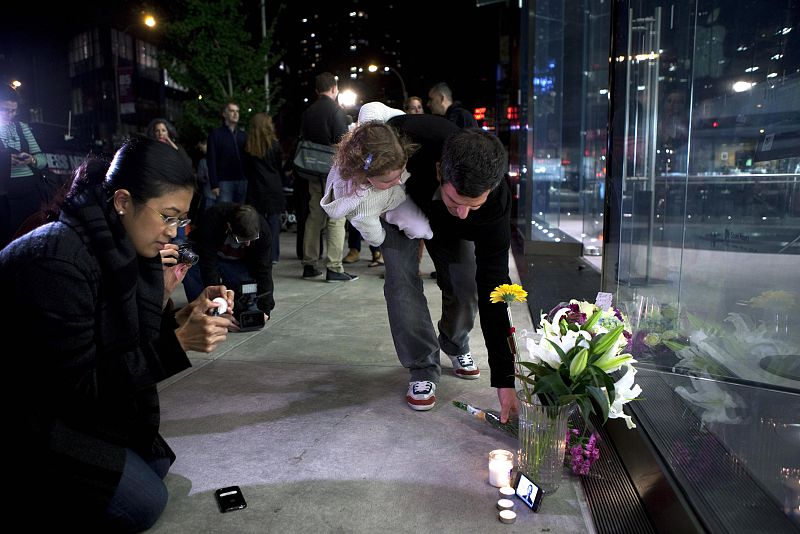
x=171 y=130
x=145 y=167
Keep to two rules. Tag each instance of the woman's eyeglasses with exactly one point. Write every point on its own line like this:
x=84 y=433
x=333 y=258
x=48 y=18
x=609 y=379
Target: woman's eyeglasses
x=171 y=222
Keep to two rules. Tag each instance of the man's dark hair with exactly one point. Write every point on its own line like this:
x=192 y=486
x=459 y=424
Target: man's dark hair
x=324 y=82
x=7 y=93
x=443 y=89
x=228 y=103
x=473 y=161
x=244 y=221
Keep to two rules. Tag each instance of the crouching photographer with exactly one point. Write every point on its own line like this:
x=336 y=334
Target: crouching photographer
x=233 y=243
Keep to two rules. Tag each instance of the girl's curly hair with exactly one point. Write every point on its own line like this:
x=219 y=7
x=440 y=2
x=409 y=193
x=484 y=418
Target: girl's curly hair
x=372 y=149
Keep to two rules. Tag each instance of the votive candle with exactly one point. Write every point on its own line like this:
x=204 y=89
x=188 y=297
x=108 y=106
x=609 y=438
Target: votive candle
x=501 y=462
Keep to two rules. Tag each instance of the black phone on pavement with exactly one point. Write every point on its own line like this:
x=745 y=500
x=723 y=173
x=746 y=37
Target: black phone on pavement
x=229 y=499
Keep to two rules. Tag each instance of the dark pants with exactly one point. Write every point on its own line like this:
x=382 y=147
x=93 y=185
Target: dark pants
x=301 y=197
x=410 y=322
x=141 y=495
x=274 y=222
x=354 y=239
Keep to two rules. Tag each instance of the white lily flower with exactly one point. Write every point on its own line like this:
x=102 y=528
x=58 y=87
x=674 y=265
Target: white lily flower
x=544 y=352
x=558 y=315
x=711 y=399
x=624 y=392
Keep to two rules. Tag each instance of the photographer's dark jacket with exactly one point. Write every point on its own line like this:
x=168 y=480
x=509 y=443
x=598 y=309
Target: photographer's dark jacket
x=88 y=311
x=489 y=228
x=208 y=238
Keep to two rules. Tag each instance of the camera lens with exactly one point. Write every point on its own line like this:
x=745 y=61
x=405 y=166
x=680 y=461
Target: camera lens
x=187 y=255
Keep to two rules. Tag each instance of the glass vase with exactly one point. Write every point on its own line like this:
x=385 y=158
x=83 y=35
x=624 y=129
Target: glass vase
x=542 y=442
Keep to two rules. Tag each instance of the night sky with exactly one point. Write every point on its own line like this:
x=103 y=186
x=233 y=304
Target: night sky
x=451 y=41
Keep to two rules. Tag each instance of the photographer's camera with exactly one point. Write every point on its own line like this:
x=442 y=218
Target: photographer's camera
x=245 y=310
x=187 y=255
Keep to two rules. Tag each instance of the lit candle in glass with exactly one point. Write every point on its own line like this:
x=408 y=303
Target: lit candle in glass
x=501 y=462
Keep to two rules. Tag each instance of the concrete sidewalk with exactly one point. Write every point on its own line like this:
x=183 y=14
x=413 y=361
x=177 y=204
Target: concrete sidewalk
x=308 y=416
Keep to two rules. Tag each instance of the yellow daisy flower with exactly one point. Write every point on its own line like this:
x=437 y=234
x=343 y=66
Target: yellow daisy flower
x=508 y=293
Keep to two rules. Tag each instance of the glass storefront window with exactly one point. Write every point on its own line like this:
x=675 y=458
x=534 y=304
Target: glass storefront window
x=686 y=167
x=565 y=105
x=706 y=250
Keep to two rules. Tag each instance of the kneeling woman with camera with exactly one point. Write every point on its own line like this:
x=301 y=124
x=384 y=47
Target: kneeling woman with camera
x=233 y=242
x=87 y=296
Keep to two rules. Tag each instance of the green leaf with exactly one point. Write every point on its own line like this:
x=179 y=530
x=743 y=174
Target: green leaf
x=526 y=379
x=537 y=369
x=600 y=401
x=674 y=346
x=591 y=322
x=586 y=407
x=552 y=385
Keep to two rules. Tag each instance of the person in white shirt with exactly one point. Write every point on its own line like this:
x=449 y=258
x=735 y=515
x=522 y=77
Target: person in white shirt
x=366 y=182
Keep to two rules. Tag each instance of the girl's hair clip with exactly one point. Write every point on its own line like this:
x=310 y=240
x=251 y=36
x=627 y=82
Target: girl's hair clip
x=368 y=162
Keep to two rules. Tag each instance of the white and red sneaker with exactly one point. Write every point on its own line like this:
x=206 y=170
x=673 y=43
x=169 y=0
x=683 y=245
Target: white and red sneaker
x=464 y=367
x=421 y=395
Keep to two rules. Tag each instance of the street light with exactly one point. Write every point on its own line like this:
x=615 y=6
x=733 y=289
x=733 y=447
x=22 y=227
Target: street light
x=347 y=98
x=374 y=68
x=148 y=21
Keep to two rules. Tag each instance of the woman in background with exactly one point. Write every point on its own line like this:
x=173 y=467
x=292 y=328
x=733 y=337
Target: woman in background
x=263 y=167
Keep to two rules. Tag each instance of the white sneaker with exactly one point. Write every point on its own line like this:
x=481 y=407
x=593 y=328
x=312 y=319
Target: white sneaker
x=421 y=395
x=464 y=367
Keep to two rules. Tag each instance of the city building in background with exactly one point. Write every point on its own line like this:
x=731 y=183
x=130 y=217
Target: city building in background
x=117 y=84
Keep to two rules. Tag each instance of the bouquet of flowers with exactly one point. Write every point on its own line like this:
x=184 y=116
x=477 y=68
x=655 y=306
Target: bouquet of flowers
x=581 y=345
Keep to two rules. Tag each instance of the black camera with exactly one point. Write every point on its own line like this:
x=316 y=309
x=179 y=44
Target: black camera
x=245 y=310
x=187 y=255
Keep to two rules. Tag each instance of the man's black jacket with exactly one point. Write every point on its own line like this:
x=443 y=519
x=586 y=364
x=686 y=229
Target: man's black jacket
x=208 y=238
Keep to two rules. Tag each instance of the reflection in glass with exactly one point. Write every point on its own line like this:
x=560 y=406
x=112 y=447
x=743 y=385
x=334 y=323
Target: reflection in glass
x=705 y=243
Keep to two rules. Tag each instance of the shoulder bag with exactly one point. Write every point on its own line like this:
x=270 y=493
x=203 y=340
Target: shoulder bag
x=313 y=161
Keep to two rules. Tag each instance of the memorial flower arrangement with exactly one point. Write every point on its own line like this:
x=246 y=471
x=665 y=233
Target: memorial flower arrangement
x=580 y=345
